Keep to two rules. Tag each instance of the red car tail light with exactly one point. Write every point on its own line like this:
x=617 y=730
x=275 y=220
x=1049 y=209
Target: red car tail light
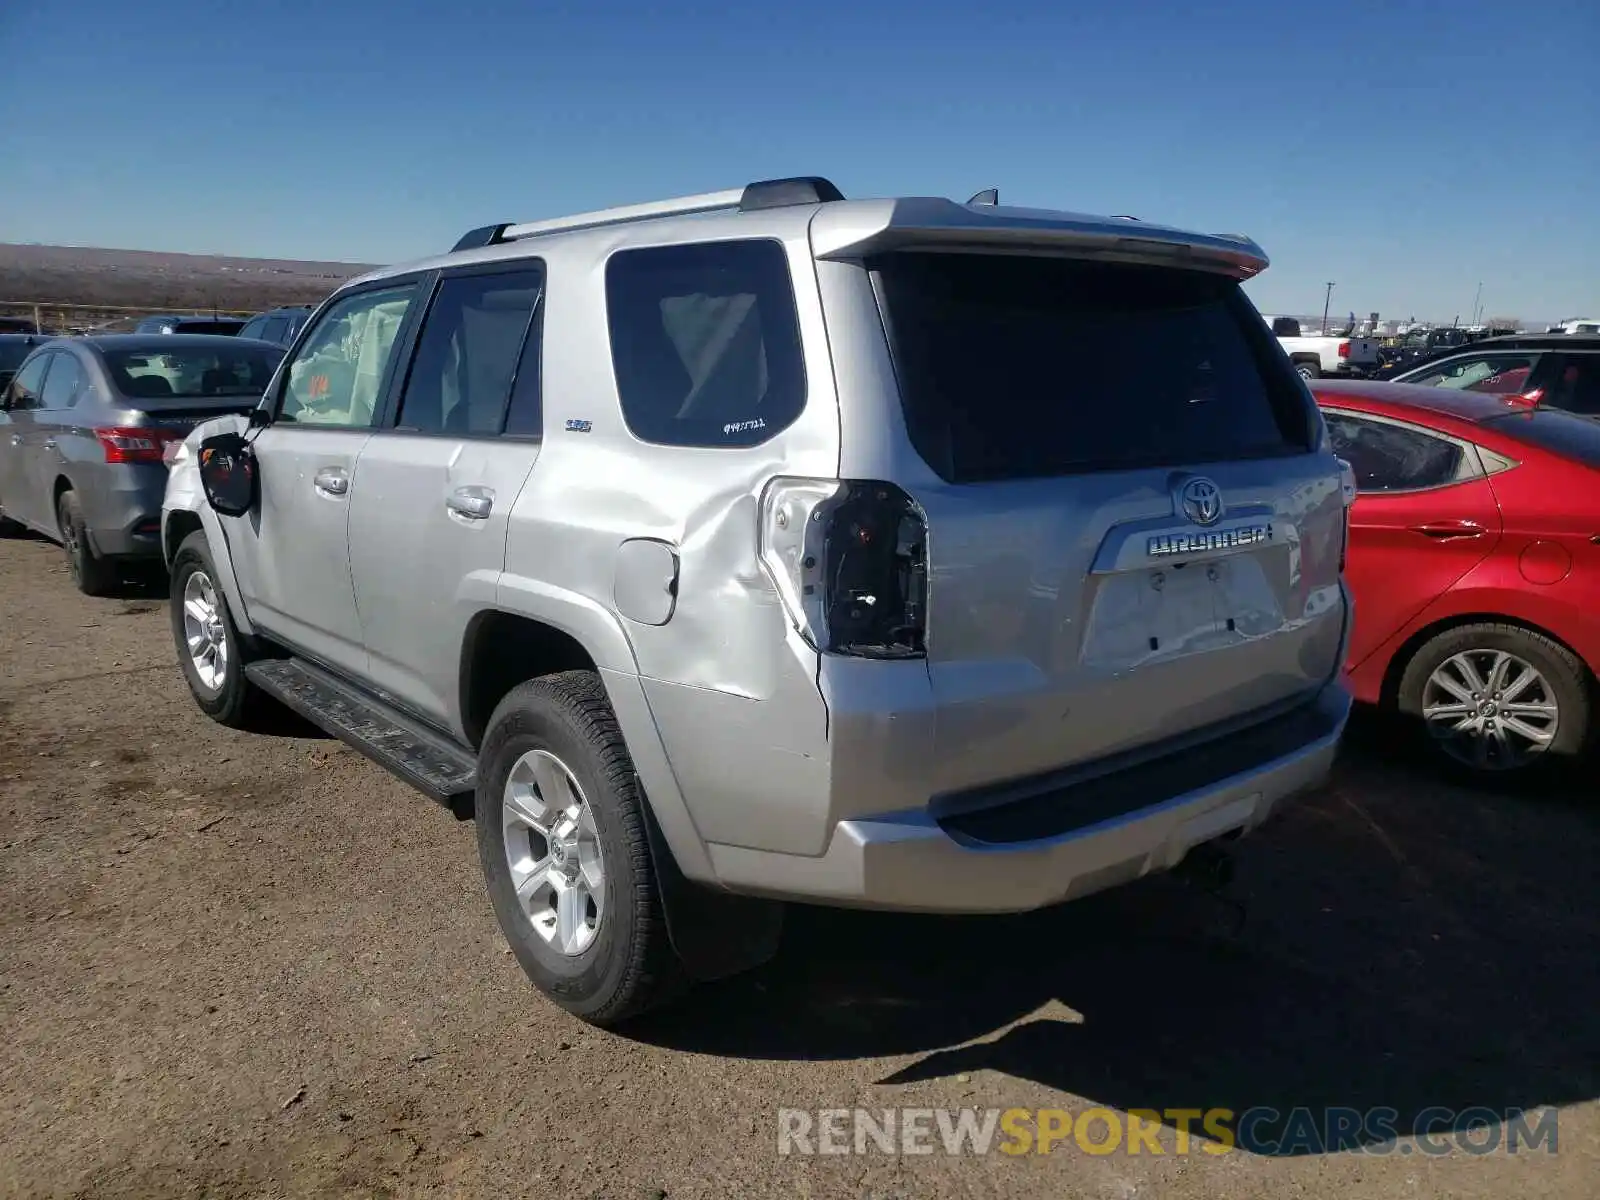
x=133 y=443
x=1344 y=349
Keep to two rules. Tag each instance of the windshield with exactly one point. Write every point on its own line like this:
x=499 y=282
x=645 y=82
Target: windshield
x=1018 y=367
x=191 y=371
x=1563 y=433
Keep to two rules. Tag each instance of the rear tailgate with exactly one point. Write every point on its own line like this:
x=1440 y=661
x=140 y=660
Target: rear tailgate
x=1135 y=533
x=1363 y=352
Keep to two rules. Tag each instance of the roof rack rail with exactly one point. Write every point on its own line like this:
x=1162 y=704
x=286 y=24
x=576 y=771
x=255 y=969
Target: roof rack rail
x=763 y=194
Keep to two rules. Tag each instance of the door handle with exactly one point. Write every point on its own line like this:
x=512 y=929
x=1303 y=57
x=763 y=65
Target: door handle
x=1444 y=531
x=473 y=503
x=333 y=481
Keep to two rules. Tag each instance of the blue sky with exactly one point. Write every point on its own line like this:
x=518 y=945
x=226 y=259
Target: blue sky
x=1406 y=151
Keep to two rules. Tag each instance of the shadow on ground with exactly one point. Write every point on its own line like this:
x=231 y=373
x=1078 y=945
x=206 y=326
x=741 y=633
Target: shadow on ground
x=1408 y=945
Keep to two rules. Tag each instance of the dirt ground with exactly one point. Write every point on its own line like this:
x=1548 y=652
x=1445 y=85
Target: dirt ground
x=257 y=965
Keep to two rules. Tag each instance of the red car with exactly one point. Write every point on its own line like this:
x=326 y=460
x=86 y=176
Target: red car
x=1474 y=558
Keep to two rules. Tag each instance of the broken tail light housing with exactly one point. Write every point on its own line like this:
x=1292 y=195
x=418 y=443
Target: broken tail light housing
x=850 y=562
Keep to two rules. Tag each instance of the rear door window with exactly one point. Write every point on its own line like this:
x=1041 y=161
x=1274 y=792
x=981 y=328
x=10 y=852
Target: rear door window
x=29 y=382
x=1021 y=366
x=470 y=354
x=65 y=382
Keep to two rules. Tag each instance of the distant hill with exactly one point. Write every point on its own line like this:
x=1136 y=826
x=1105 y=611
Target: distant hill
x=78 y=275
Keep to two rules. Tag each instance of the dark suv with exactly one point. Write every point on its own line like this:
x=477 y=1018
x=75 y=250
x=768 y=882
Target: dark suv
x=192 y=324
x=14 y=347
x=276 y=324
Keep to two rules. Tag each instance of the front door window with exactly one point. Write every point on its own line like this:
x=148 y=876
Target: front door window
x=337 y=377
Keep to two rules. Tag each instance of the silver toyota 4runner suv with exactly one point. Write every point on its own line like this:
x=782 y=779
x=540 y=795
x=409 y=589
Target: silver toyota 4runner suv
x=767 y=545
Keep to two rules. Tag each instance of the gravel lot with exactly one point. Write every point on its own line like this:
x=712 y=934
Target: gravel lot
x=257 y=965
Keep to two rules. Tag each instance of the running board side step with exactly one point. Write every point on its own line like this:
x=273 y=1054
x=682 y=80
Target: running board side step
x=425 y=759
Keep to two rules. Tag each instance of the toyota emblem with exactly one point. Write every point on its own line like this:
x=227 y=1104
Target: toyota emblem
x=1201 y=501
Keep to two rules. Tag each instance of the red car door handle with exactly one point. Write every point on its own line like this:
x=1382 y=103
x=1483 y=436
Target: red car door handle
x=1444 y=530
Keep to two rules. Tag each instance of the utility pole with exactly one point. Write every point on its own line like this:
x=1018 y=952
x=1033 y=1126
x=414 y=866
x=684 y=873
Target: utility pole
x=1327 y=299
x=1477 y=296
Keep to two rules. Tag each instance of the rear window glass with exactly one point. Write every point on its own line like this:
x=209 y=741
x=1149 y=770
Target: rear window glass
x=1562 y=433
x=705 y=342
x=1016 y=367
x=12 y=354
x=244 y=370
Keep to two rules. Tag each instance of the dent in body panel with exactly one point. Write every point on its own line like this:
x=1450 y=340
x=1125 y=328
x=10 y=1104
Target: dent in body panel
x=731 y=686
x=1038 y=661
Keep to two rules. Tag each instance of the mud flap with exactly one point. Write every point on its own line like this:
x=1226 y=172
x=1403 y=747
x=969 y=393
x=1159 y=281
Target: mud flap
x=714 y=934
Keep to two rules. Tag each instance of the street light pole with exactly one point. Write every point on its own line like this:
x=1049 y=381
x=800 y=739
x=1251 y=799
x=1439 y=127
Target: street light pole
x=1477 y=296
x=1327 y=299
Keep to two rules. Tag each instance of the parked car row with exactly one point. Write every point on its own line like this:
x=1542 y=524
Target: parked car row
x=754 y=547
x=84 y=423
x=277 y=325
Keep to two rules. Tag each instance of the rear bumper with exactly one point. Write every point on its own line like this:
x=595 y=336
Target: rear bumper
x=914 y=860
x=122 y=508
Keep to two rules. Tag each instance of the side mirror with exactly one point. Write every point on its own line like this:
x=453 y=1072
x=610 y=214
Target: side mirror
x=228 y=474
x=260 y=417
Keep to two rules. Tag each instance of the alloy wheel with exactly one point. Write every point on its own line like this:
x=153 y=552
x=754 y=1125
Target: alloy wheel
x=203 y=632
x=1490 y=709
x=553 y=852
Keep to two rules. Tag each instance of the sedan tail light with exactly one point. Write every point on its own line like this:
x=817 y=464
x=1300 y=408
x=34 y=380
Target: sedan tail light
x=134 y=443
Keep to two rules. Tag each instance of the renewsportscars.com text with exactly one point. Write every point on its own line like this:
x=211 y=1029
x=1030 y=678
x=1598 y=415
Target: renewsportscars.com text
x=1173 y=1131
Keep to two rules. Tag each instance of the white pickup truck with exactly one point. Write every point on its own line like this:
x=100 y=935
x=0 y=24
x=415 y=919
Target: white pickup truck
x=1332 y=354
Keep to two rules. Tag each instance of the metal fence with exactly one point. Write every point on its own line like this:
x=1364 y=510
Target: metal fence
x=51 y=317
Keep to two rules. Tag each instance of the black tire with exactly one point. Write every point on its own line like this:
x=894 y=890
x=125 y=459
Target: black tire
x=1308 y=370
x=630 y=966
x=1570 y=685
x=92 y=575
x=235 y=701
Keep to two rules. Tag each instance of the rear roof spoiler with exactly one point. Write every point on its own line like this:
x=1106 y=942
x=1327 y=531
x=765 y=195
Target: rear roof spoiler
x=873 y=227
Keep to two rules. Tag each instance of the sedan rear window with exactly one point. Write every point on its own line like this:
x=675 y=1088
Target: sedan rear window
x=192 y=371
x=1015 y=367
x=1563 y=433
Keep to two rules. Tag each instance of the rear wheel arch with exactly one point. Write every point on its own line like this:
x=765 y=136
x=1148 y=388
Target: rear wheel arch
x=1408 y=650
x=501 y=650
x=61 y=487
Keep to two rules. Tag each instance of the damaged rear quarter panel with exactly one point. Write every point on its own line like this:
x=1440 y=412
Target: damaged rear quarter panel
x=732 y=687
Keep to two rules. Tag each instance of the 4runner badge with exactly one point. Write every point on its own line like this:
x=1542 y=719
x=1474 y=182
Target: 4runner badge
x=1166 y=544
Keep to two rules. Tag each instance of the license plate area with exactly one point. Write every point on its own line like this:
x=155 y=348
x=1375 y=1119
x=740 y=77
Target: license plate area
x=1151 y=613
x=1167 y=611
